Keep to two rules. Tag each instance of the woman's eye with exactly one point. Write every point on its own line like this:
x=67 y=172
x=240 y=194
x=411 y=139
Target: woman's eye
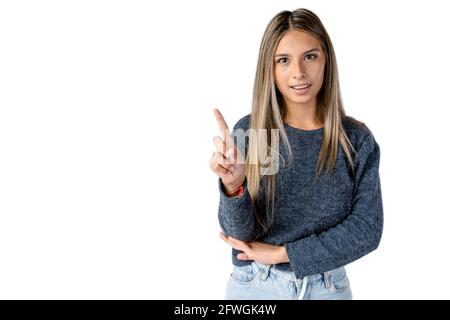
x=307 y=57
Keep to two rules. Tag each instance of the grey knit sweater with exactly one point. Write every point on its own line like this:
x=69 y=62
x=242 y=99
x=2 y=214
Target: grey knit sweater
x=325 y=223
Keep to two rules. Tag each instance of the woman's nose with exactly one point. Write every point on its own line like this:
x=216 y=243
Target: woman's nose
x=299 y=71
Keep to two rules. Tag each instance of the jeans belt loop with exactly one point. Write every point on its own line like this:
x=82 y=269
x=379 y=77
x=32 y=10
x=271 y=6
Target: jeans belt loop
x=265 y=272
x=327 y=279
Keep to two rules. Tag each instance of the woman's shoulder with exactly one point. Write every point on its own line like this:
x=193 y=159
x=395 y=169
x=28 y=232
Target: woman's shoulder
x=357 y=131
x=243 y=123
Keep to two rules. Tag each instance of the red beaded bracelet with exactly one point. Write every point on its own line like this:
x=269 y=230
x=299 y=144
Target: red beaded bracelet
x=238 y=192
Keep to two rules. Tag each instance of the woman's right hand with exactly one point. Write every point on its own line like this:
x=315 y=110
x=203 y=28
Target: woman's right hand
x=227 y=161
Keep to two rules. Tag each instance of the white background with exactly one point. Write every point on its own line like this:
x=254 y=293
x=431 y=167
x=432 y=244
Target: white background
x=106 y=130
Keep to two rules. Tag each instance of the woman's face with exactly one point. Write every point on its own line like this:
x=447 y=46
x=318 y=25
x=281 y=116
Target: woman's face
x=299 y=60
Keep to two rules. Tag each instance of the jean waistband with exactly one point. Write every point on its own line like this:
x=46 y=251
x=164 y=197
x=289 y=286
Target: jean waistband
x=268 y=269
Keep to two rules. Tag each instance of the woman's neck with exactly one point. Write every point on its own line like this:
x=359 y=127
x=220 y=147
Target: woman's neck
x=303 y=117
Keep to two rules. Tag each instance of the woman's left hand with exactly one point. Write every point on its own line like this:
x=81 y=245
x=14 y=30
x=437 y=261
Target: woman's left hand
x=259 y=251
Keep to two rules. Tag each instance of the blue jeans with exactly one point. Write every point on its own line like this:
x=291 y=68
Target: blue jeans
x=258 y=281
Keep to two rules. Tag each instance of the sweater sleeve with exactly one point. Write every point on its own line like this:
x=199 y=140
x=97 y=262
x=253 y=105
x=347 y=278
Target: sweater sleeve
x=235 y=213
x=355 y=236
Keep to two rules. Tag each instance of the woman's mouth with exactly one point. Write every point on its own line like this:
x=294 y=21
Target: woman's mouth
x=300 y=89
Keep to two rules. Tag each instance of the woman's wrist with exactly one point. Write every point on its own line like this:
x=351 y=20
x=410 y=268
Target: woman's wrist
x=237 y=192
x=233 y=190
x=282 y=254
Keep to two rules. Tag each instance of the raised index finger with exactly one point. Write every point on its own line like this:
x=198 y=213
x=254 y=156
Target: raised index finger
x=224 y=129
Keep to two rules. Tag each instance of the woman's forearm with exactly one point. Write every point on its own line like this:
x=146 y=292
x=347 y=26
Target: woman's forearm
x=282 y=254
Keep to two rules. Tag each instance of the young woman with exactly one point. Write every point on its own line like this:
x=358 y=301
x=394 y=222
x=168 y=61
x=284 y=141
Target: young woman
x=293 y=230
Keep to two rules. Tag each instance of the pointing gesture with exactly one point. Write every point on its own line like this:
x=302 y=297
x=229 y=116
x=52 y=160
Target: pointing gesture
x=227 y=139
x=227 y=161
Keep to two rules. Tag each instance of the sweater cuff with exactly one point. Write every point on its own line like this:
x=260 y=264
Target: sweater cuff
x=236 y=199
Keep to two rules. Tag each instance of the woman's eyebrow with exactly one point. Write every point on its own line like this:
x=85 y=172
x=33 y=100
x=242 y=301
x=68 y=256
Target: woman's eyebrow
x=306 y=52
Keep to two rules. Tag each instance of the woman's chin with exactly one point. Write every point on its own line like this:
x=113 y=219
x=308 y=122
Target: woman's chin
x=302 y=100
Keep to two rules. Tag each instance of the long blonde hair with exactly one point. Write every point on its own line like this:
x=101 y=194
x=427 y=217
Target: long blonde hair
x=268 y=110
